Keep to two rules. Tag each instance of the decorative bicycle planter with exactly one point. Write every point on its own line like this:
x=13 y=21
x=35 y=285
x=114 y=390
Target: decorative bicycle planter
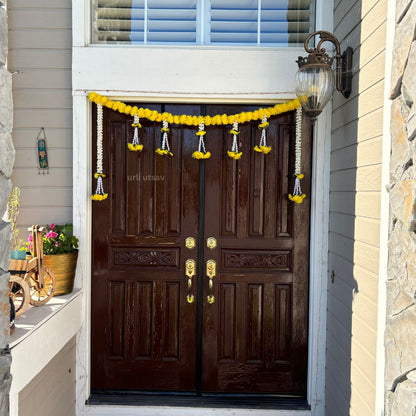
x=30 y=281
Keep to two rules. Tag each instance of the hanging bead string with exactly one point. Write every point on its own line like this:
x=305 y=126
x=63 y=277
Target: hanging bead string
x=135 y=145
x=297 y=195
x=165 y=149
x=262 y=147
x=201 y=153
x=234 y=153
x=99 y=195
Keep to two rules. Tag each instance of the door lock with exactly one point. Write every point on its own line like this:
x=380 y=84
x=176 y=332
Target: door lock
x=211 y=243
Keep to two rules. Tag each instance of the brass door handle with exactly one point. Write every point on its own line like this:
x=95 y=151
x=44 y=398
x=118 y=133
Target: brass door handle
x=190 y=271
x=211 y=273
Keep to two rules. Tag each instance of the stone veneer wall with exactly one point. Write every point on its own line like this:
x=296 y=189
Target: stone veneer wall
x=6 y=166
x=400 y=337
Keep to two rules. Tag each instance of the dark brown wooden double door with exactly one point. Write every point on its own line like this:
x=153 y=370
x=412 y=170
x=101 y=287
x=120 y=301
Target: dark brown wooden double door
x=251 y=337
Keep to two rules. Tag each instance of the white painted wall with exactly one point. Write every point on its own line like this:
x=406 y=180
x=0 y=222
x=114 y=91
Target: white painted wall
x=40 y=49
x=355 y=206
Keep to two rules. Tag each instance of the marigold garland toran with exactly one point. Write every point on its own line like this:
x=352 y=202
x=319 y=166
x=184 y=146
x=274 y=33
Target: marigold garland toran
x=201 y=121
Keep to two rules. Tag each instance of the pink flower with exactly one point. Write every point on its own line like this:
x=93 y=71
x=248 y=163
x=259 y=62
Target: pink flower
x=30 y=238
x=52 y=226
x=51 y=234
x=56 y=244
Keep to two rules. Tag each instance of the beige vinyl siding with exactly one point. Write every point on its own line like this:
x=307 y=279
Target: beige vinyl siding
x=52 y=391
x=40 y=42
x=354 y=223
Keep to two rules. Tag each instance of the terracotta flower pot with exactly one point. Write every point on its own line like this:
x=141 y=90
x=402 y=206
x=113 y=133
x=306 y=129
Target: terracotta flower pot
x=63 y=267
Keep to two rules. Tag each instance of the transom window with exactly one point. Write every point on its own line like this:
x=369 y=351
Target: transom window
x=203 y=22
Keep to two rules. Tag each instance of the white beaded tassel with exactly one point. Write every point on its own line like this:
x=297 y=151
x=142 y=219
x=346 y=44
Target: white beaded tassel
x=298 y=143
x=165 y=141
x=136 y=122
x=100 y=188
x=297 y=195
x=263 y=133
x=201 y=144
x=234 y=147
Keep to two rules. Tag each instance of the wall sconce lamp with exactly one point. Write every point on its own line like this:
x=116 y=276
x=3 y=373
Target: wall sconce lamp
x=315 y=78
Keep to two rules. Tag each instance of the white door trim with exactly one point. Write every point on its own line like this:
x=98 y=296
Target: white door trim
x=318 y=266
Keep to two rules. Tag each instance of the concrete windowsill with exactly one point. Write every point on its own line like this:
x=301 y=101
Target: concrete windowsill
x=37 y=316
x=39 y=336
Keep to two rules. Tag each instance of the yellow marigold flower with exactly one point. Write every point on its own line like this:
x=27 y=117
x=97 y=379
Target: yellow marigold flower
x=224 y=119
x=147 y=113
x=234 y=155
x=140 y=112
x=243 y=117
x=97 y=175
x=201 y=133
x=161 y=152
x=164 y=129
x=134 y=111
x=300 y=176
x=197 y=155
x=99 y=197
x=263 y=125
x=200 y=119
x=207 y=120
x=189 y=120
x=232 y=131
x=257 y=149
x=137 y=125
x=207 y=155
x=135 y=147
x=231 y=119
x=92 y=96
x=170 y=118
x=116 y=105
x=176 y=120
x=266 y=149
x=261 y=112
x=267 y=113
x=103 y=100
x=122 y=108
x=297 y=198
x=182 y=119
x=159 y=118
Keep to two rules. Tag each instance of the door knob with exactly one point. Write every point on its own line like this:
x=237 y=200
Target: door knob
x=190 y=270
x=211 y=272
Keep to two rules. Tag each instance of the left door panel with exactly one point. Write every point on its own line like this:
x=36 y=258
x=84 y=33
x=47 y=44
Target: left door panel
x=141 y=320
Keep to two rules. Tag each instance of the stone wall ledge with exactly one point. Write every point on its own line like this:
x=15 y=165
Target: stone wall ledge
x=39 y=336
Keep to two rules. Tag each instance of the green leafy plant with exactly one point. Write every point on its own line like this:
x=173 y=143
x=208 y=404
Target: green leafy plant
x=13 y=205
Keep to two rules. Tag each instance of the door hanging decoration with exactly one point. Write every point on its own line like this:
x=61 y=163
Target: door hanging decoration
x=297 y=195
x=42 y=152
x=262 y=114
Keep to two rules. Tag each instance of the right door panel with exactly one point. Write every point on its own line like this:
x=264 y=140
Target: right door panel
x=255 y=332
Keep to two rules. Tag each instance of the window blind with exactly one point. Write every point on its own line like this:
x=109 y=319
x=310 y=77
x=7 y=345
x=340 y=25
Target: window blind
x=224 y=22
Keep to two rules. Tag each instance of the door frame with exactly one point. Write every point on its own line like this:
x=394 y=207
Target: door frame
x=82 y=204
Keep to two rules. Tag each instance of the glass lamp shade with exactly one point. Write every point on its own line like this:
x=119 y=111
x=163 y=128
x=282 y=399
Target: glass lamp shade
x=314 y=85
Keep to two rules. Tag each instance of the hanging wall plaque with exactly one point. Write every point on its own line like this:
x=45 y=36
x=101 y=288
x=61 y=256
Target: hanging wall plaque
x=42 y=152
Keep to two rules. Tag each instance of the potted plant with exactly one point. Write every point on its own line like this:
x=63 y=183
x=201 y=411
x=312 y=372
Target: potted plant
x=18 y=247
x=60 y=249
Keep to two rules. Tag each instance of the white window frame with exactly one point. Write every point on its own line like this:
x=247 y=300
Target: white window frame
x=202 y=31
x=228 y=75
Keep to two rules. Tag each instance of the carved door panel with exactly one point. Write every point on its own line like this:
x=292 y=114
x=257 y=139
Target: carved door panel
x=140 y=314
x=252 y=334
x=255 y=332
